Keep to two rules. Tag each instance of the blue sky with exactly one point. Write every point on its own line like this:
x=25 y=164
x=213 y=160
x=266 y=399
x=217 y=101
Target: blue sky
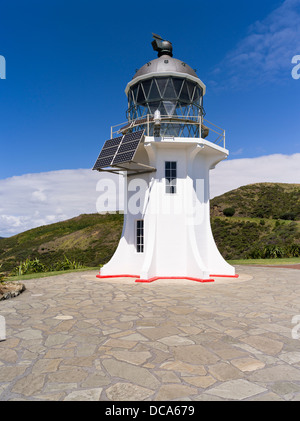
x=68 y=63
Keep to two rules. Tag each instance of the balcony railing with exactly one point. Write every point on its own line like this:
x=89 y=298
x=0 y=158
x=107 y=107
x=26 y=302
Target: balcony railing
x=185 y=127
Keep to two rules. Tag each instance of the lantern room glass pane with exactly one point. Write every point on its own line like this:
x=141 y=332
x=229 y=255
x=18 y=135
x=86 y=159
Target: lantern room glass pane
x=146 y=85
x=169 y=90
x=140 y=95
x=184 y=95
x=161 y=82
x=177 y=82
x=154 y=93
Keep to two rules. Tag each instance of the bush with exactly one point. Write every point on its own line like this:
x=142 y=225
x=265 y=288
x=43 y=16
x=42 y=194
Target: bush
x=67 y=264
x=2 y=275
x=30 y=266
x=288 y=216
x=274 y=251
x=229 y=211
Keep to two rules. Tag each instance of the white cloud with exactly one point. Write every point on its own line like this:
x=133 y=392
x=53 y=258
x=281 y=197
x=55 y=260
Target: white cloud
x=265 y=54
x=278 y=168
x=32 y=200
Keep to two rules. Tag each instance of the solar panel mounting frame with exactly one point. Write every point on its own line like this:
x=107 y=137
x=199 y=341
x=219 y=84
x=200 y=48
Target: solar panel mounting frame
x=117 y=152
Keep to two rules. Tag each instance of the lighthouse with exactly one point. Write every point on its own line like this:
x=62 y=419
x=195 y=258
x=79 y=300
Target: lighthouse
x=165 y=151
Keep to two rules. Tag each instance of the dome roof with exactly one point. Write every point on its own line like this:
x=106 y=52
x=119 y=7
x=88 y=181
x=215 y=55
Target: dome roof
x=165 y=64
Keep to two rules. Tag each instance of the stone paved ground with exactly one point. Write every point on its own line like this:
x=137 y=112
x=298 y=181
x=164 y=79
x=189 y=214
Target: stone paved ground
x=75 y=337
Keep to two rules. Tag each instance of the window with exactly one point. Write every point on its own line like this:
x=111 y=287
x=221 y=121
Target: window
x=171 y=175
x=140 y=236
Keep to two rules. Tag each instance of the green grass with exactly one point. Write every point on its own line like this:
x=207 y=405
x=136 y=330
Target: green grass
x=262 y=200
x=274 y=262
x=89 y=239
x=47 y=274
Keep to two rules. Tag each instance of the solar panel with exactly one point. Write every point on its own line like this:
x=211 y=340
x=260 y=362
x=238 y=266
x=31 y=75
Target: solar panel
x=102 y=163
x=128 y=147
x=112 y=142
x=125 y=147
x=119 y=150
x=107 y=153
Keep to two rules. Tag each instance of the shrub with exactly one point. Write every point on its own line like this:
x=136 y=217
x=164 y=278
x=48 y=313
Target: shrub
x=288 y=216
x=229 y=211
x=30 y=266
x=2 y=275
x=67 y=264
x=273 y=252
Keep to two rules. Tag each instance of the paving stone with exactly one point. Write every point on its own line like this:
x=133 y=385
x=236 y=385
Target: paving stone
x=128 y=392
x=172 y=341
x=136 y=358
x=8 y=373
x=236 y=390
x=63 y=317
x=191 y=330
x=224 y=372
x=56 y=339
x=167 y=376
x=97 y=379
x=155 y=333
x=247 y=364
x=59 y=352
x=30 y=334
x=267 y=397
x=181 y=310
x=10 y=342
x=290 y=357
x=174 y=391
x=46 y=365
x=50 y=397
x=135 y=337
x=79 y=361
x=29 y=385
x=284 y=388
x=184 y=368
x=68 y=374
x=8 y=355
x=195 y=354
x=84 y=395
x=175 y=340
x=228 y=353
x=120 y=343
x=56 y=387
x=264 y=344
x=132 y=373
x=200 y=381
x=276 y=373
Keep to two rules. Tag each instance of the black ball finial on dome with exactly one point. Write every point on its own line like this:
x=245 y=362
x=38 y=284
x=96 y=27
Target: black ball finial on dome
x=162 y=46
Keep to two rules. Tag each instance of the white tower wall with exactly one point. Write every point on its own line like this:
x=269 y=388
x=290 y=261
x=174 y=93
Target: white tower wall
x=178 y=240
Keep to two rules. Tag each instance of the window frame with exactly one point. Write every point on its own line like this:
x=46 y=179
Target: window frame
x=139 y=236
x=171 y=177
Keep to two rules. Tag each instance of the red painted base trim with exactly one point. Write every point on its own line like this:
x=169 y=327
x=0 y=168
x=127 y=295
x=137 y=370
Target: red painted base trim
x=225 y=276
x=148 y=281
x=116 y=276
x=155 y=278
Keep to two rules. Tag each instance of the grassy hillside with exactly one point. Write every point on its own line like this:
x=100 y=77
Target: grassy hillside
x=254 y=231
x=265 y=221
x=262 y=200
x=89 y=239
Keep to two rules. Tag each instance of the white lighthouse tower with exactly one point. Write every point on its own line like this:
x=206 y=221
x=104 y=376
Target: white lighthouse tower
x=165 y=151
